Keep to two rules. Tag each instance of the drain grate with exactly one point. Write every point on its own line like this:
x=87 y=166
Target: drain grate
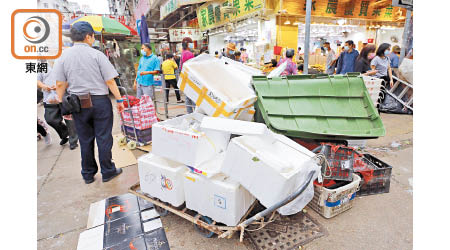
x=286 y=232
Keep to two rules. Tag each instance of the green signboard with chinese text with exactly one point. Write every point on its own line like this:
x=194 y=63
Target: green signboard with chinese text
x=211 y=14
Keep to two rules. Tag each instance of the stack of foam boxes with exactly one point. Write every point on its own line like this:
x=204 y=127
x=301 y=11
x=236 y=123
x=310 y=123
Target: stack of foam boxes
x=194 y=162
x=184 y=168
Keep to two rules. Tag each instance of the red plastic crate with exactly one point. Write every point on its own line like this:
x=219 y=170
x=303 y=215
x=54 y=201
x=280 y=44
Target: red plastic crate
x=340 y=161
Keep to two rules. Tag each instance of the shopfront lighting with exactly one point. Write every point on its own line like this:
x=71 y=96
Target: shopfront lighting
x=287 y=22
x=341 y=21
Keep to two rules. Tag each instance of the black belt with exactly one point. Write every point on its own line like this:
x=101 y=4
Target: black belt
x=98 y=96
x=51 y=105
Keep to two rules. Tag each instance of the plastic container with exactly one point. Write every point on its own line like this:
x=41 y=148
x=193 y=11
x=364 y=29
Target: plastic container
x=341 y=161
x=380 y=180
x=331 y=202
x=218 y=197
x=162 y=178
x=271 y=168
x=317 y=107
x=217 y=89
x=373 y=86
x=143 y=135
x=181 y=139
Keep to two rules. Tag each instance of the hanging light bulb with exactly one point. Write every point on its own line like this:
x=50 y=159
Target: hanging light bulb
x=287 y=22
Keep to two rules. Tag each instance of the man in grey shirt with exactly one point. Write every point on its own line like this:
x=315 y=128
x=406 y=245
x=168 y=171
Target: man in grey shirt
x=52 y=111
x=331 y=58
x=83 y=70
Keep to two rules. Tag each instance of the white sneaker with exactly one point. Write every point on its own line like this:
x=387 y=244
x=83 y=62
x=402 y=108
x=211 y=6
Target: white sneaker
x=48 y=139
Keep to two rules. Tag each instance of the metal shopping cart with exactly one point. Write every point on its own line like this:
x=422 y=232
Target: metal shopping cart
x=167 y=105
x=132 y=137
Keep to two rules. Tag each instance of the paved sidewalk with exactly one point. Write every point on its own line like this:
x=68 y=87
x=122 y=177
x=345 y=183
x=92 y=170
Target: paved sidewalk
x=375 y=222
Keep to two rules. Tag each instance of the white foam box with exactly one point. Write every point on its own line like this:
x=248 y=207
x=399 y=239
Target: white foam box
x=162 y=178
x=270 y=168
x=187 y=147
x=218 y=197
x=219 y=89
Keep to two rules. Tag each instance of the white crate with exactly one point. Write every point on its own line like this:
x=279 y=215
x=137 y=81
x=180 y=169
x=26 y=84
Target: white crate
x=171 y=140
x=331 y=202
x=162 y=178
x=219 y=90
x=218 y=197
x=373 y=86
x=271 y=168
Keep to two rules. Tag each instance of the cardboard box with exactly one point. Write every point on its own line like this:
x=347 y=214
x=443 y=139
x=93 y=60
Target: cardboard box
x=271 y=168
x=218 y=89
x=218 y=197
x=162 y=178
x=188 y=145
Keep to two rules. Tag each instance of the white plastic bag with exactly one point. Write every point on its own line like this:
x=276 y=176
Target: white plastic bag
x=52 y=97
x=406 y=70
x=277 y=72
x=302 y=200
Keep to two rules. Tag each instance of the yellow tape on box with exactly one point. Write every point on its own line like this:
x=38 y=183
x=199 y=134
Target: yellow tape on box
x=218 y=90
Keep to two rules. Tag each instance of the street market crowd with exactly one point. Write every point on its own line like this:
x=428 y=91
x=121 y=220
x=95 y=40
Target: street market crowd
x=76 y=87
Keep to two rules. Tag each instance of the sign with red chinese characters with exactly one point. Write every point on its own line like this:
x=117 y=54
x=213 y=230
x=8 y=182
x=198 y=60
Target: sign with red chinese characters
x=177 y=35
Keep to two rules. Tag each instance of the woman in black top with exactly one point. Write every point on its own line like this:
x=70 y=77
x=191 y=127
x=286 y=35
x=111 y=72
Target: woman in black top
x=362 y=63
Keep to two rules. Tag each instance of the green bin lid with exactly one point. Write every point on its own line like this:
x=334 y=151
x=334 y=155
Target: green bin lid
x=318 y=106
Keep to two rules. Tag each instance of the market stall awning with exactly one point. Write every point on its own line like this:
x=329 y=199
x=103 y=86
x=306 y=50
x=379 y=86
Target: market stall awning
x=105 y=24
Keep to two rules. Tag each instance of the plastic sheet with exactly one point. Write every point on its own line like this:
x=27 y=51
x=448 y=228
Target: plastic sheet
x=277 y=72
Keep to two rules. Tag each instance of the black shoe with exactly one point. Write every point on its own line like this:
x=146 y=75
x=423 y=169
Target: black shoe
x=64 y=141
x=89 y=181
x=118 y=172
x=72 y=147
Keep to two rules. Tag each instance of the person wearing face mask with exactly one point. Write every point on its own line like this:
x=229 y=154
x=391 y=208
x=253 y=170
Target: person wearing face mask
x=149 y=65
x=231 y=48
x=87 y=73
x=382 y=64
x=346 y=61
x=362 y=64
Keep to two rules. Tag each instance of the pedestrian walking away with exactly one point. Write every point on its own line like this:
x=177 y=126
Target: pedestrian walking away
x=87 y=73
x=168 y=68
x=382 y=64
x=149 y=65
x=52 y=110
x=346 y=61
x=185 y=56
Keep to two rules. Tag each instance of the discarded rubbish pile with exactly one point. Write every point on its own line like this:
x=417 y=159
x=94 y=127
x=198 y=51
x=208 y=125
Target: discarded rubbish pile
x=218 y=166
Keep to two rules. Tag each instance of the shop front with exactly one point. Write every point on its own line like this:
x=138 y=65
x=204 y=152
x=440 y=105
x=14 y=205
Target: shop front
x=237 y=22
x=363 y=21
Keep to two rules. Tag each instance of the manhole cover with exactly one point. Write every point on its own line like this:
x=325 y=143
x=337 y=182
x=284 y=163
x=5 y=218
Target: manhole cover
x=286 y=232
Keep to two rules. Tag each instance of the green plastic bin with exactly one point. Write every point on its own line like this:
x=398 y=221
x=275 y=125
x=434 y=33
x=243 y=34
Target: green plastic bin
x=317 y=107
